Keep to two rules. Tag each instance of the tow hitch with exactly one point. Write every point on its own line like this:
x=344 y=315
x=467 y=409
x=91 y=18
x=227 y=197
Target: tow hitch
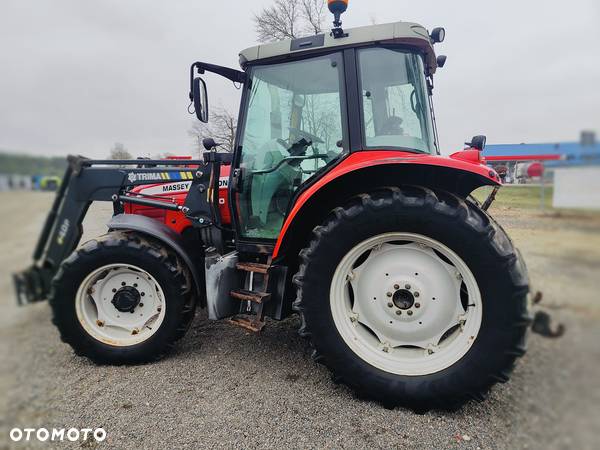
x=542 y=322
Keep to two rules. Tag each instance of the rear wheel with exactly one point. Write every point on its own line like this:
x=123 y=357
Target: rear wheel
x=421 y=303
x=122 y=299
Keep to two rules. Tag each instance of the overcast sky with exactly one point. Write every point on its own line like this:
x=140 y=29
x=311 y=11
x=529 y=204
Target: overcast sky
x=77 y=76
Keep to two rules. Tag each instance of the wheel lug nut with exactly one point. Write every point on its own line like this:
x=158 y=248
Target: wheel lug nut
x=416 y=294
x=399 y=313
x=389 y=294
x=410 y=313
x=122 y=283
x=417 y=305
x=396 y=286
x=407 y=286
x=114 y=290
x=134 y=284
x=390 y=304
x=142 y=293
x=141 y=305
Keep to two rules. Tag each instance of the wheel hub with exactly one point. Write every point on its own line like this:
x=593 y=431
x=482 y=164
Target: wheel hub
x=400 y=308
x=403 y=299
x=120 y=304
x=126 y=299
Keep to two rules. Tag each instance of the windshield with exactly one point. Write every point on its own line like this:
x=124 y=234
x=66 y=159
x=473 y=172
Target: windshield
x=293 y=128
x=395 y=108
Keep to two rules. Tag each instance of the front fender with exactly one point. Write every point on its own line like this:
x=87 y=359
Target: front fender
x=158 y=230
x=365 y=170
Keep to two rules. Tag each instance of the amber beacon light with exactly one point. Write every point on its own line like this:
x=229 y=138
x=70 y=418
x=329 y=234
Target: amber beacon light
x=337 y=8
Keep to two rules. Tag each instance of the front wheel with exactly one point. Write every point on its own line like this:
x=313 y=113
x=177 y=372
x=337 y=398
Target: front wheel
x=413 y=298
x=122 y=298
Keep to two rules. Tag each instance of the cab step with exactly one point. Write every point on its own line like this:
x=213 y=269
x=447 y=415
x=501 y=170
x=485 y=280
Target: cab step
x=256 y=283
x=250 y=323
x=253 y=267
x=250 y=296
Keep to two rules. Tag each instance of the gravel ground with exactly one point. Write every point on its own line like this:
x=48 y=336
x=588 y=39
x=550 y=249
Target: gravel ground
x=225 y=388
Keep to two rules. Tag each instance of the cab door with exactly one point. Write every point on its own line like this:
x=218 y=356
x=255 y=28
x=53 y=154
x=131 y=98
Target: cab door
x=293 y=125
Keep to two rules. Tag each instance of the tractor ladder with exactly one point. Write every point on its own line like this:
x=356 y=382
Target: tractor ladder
x=253 y=298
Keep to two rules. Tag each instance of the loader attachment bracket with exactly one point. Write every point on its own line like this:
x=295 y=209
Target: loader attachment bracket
x=31 y=285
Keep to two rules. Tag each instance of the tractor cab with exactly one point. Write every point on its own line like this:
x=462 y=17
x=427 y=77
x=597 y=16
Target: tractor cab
x=308 y=103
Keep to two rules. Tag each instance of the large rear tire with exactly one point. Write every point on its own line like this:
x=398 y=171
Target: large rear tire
x=122 y=299
x=414 y=298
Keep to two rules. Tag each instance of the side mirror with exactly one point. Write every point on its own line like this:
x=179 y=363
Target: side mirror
x=441 y=61
x=477 y=142
x=209 y=143
x=438 y=35
x=200 y=99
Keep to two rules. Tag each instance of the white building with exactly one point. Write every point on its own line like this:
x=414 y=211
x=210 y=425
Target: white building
x=577 y=187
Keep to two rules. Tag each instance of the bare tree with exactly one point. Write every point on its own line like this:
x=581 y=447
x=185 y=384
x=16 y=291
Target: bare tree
x=221 y=127
x=313 y=12
x=277 y=22
x=118 y=151
x=289 y=19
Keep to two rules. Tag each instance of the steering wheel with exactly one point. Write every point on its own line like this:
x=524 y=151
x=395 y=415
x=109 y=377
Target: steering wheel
x=309 y=137
x=298 y=148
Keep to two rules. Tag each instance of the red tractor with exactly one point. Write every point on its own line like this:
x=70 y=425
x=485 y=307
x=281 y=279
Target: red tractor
x=335 y=205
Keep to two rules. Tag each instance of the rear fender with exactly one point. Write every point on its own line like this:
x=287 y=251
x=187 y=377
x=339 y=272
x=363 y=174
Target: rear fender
x=368 y=170
x=164 y=234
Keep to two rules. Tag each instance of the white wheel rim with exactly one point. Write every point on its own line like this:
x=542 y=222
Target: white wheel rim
x=425 y=337
x=101 y=319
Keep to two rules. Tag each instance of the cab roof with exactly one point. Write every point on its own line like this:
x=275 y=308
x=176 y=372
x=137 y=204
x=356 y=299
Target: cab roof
x=406 y=33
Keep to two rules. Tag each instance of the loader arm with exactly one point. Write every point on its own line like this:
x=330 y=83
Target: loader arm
x=86 y=181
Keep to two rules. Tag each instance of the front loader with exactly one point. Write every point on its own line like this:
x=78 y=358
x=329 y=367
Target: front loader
x=336 y=205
